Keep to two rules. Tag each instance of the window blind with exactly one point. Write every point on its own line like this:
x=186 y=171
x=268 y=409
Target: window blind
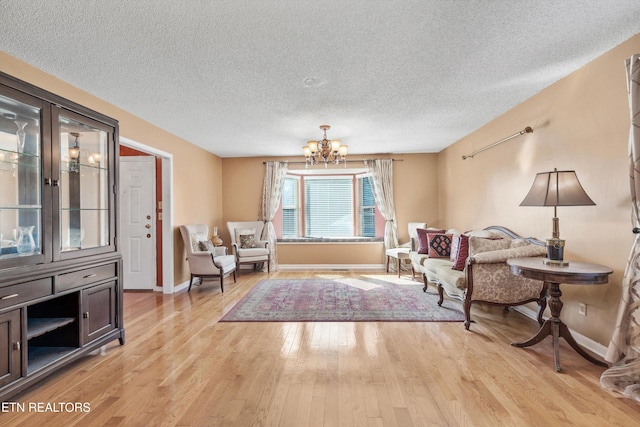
x=366 y=207
x=290 y=207
x=329 y=206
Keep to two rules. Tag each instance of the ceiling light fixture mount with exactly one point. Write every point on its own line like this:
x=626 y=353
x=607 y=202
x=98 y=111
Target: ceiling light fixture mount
x=324 y=150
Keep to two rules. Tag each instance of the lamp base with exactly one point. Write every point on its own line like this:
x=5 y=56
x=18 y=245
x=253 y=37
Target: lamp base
x=555 y=253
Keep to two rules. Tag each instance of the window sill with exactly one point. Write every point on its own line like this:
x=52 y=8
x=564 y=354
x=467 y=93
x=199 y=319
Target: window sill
x=331 y=240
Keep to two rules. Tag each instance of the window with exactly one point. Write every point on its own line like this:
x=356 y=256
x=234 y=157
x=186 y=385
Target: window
x=290 y=207
x=328 y=206
x=367 y=207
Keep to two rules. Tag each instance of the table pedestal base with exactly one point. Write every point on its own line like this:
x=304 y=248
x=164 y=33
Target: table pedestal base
x=556 y=328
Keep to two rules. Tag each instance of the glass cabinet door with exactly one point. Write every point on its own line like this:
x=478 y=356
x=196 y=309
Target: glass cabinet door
x=21 y=202
x=84 y=195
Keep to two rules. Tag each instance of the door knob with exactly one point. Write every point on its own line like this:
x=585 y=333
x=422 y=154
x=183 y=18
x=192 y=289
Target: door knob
x=147 y=226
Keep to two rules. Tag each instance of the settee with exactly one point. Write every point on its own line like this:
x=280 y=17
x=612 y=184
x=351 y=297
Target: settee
x=481 y=274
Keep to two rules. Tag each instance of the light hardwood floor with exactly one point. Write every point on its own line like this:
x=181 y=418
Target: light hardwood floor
x=181 y=367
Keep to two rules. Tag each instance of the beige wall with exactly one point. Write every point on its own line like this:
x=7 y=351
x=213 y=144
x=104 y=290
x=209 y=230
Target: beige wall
x=580 y=123
x=415 y=187
x=197 y=174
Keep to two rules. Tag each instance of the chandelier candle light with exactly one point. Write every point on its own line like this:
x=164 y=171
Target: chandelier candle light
x=327 y=151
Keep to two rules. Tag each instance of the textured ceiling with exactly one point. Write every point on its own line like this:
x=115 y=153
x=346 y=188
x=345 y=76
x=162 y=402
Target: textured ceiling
x=257 y=77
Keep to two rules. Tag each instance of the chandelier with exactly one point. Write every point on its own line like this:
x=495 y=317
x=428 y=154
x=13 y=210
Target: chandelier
x=324 y=150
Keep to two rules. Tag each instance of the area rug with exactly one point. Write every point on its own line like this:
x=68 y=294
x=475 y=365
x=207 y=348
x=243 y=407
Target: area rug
x=334 y=298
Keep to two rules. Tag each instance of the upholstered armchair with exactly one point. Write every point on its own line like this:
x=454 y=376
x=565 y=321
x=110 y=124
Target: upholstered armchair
x=403 y=251
x=248 y=248
x=205 y=260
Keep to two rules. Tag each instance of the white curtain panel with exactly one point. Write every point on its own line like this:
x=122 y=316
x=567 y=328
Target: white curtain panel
x=624 y=349
x=381 y=171
x=271 y=193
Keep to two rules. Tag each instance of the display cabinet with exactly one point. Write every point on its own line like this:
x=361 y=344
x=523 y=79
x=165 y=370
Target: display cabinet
x=60 y=269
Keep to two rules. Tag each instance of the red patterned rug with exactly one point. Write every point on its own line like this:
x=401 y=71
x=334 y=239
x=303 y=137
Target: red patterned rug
x=334 y=298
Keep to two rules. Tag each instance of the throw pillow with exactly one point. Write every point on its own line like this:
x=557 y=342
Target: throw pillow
x=439 y=245
x=206 y=245
x=455 y=241
x=462 y=252
x=519 y=243
x=247 y=241
x=244 y=232
x=423 y=243
x=483 y=244
x=196 y=238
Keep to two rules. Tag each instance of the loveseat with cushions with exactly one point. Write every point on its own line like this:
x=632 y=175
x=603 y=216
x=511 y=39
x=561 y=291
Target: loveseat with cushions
x=477 y=271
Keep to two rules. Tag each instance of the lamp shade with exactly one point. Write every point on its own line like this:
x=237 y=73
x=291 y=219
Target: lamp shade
x=557 y=188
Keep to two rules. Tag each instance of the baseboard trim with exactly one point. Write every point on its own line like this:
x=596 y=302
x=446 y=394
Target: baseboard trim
x=180 y=287
x=334 y=267
x=584 y=341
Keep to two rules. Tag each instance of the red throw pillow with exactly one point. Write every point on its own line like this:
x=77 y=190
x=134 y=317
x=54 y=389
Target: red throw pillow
x=423 y=242
x=439 y=245
x=462 y=253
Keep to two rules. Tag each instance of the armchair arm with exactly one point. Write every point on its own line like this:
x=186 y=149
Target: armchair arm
x=200 y=262
x=259 y=244
x=502 y=255
x=220 y=250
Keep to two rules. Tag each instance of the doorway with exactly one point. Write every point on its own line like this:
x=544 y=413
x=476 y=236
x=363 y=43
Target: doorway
x=163 y=215
x=138 y=232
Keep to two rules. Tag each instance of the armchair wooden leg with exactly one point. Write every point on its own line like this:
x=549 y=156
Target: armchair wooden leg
x=221 y=282
x=440 y=295
x=234 y=275
x=190 y=283
x=467 y=313
x=426 y=283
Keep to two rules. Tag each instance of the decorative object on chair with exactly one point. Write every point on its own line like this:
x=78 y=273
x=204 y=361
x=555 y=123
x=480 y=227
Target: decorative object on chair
x=556 y=188
x=324 y=150
x=522 y=132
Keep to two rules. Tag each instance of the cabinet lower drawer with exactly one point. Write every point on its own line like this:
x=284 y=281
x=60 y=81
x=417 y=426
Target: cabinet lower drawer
x=85 y=277
x=16 y=294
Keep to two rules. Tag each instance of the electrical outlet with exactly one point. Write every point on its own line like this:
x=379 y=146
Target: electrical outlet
x=582 y=309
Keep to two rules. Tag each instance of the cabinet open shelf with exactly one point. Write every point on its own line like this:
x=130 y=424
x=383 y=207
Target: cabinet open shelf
x=40 y=326
x=40 y=357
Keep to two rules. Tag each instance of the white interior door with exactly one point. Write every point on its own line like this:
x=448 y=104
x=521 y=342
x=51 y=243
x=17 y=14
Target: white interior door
x=137 y=221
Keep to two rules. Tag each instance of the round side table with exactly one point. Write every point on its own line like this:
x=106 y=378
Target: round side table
x=576 y=273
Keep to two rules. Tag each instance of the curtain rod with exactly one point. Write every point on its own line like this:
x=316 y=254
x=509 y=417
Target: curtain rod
x=525 y=130
x=330 y=163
